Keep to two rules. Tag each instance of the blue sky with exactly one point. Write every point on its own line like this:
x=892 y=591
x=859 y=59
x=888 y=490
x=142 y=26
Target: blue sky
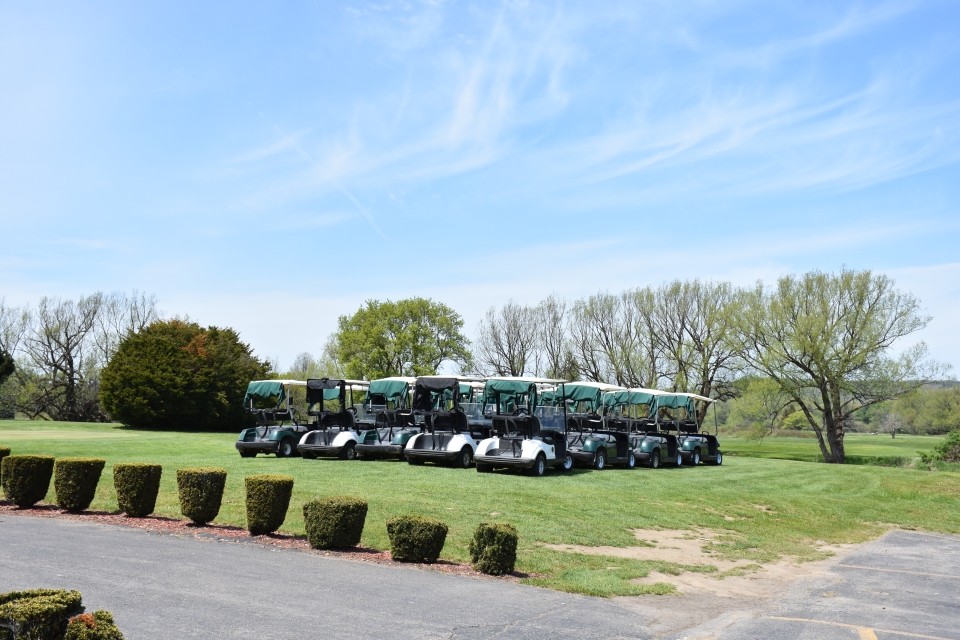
x=271 y=166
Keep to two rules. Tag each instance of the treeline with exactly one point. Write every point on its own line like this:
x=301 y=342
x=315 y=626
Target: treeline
x=814 y=349
x=53 y=355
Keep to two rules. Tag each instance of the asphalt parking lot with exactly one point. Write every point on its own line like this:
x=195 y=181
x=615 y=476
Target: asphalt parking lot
x=905 y=585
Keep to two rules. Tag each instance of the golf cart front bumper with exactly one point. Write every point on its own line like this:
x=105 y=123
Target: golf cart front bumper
x=381 y=449
x=687 y=455
x=505 y=461
x=642 y=456
x=588 y=457
x=320 y=450
x=432 y=454
x=260 y=446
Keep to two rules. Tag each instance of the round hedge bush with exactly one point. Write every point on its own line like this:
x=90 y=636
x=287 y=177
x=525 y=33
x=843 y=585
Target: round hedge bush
x=98 y=625
x=415 y=538
x=334 y=523
x=75 y=481
x=268 y=498
x=41 y=613
x=201 y=492
x=26 y=479
x=493 y=549
x=137 y=485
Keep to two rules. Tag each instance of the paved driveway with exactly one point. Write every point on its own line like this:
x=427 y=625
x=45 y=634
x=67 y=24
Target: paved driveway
x=159 y=586
x=905 y=585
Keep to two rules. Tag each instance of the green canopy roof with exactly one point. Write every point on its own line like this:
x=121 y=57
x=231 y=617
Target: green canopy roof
x=509 y=387
x=675 y=402
x=392 y=389
x=581 y=392
x=617 y=398
x=263 y=389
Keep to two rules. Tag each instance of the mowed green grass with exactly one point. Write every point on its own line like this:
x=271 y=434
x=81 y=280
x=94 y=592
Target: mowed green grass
x=806 y=504
x=860 y=448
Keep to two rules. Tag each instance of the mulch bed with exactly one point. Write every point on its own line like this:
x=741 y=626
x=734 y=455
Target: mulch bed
x=236 y=535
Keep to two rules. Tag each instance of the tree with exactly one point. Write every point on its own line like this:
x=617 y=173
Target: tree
x=411 y=337
x=826 y=339
x=759 y=409
x=508 y=340
x=930 y=410
x=177 y=375
x=692 y=321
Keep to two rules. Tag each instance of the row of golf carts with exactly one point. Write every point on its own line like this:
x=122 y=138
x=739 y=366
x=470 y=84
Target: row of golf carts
x=506 y=422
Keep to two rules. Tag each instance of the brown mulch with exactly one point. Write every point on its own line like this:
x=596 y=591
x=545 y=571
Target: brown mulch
x=237 y=535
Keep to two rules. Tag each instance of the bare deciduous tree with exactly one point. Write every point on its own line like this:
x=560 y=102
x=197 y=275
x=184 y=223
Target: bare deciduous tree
x=507 y=341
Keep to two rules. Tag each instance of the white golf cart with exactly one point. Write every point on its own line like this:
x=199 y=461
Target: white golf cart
x=333 y=433
x=446 y=434
x=520 y=441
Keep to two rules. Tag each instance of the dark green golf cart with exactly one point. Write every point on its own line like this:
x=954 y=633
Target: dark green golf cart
x=278 y=428
x=591 y=440
x=385 y=419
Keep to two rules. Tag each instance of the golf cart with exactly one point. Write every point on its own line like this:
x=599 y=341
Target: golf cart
x=333 y=432
x=635 y=412
x=446 y=434
x=385 y=419
x=591 y=439
x=267 y=436
x=520 y=441
x=697 y=446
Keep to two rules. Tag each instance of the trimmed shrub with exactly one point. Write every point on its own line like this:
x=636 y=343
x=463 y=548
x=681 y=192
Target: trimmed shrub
x=26 y=479
x=493 y=549
x=268 y=497
x=93 y=626
x=4 y=452
x=334 y=523
x=415 y=538
x=137 y=485
x=75 y=481
x=40 y=614
x=201 y=491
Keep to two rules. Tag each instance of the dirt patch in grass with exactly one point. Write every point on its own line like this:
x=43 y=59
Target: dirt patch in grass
x=237 y=535
x=740 y=578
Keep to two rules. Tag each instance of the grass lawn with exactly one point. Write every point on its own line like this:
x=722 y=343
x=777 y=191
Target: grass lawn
x=805 y=503
x=860 y=449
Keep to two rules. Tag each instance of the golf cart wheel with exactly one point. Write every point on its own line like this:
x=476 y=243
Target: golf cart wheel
x=655 y=459
x=679 y=460
x=719 y=460
x=631 y=460
x=696 y=457
x=464 y=458
x=567 y=463
x=539 y=466
x=600 y=461
x=414 y=461
x=482 y=468
x=287 y=448
x=248 y=454
x=349 y=452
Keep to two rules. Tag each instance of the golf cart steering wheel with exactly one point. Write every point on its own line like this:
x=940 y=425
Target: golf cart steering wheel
x=352 y=410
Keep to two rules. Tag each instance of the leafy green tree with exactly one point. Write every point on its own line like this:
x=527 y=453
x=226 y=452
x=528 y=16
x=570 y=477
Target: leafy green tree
x=930 y=411
x=411 y=337
x=177 y=375
x=758 y=410
x=825 y=339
